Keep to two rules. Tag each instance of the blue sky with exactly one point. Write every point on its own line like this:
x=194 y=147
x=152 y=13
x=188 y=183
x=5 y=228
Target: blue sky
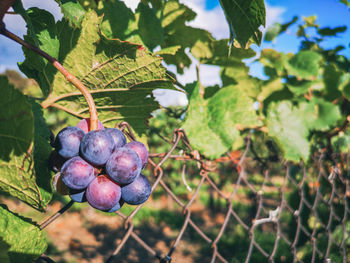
x=210 y=16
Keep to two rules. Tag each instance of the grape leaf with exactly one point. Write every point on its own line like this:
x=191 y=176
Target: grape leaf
x=287 y=127
x=168 y=51
x=201 y=137
x=274 y=61
x=277 y=29
x=328 y=31
x=4 y=247
x=42 y=32
x=149 y=26
x=304 y=64
x=270 y=87
x=341 y=142
x=118 y=20
x=213 y=124
x=344 y=85
x=245 y=17
x=120 y=76
x=20 y=174
x=319 y=114
x=215 y=52
x=23 y=236
x=331 y=79
x=72 y=10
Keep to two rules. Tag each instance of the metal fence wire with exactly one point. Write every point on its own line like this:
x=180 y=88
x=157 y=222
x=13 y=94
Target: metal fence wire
x=293 y=214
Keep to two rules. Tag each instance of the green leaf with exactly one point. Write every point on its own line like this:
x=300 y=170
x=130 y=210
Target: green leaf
x=73 y=11
x=331 y=79
x=4 y=247
x=277 y=29
x=345 y=2
x=341 y=142
x=150 y=28
x=118 y=20
x=168 y=50
x=274 y=61
x=201 y=137
x=305 y=64
x=230 y=110
x=287 y=127
x=19 y=172
x=22 y=235
x=120 y=75
x=213 y=124
x=173 y=17
x=42 y=33
x=270 y=87
x=344 y=85
x=301 y=87
x=215 y=52
x=245 y=17
x=327 y=31
x=319 y=114
x=41 y=153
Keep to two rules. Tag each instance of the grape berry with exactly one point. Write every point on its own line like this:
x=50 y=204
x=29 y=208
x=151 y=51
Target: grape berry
x=100 y=167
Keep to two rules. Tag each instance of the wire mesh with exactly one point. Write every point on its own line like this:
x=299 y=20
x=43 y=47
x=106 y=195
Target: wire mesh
x=291 y=214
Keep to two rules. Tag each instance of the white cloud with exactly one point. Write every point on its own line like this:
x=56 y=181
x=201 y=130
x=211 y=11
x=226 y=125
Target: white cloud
x=274 y=14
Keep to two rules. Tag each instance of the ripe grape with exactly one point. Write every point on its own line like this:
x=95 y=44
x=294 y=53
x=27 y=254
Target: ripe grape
x=84 y=124
x=137 y=192
x=103 y=193
x=118 y=137
x=68 y=141
x=77 y=173
x=141 y=150
x=56 y=161
x=78 y=195
x=96 y=147
x=124 y=165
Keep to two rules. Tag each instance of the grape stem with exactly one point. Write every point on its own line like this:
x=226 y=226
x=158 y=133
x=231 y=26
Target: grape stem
x=69 y=76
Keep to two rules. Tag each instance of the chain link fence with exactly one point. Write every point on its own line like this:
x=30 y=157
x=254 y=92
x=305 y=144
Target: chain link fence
x=272 y=213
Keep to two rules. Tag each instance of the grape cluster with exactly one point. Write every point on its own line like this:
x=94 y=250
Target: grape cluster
x=99 y=167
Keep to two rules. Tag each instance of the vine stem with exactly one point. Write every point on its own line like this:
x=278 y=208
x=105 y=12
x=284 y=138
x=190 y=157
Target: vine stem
x=55 y=216
x=69 y=76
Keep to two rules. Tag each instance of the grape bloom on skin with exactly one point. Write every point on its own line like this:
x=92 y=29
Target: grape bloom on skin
x=96 y=147
x=68 y=140
x=141 y=151
x=77 y=174
x=137 y=192
x=124 y=165
x=118 y=137
x=103 y=193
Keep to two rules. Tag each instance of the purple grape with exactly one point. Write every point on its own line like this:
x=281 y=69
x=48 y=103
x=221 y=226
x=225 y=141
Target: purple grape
x=117 y=206
x=56 y=161
x=68 y=140
x=78 y=195
x=96 y=147
x=118 y=137
x=123 y=166
x=141 y=150
x=84 y=124
x=137 y=192
x=77 y=173
x=103 y=193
